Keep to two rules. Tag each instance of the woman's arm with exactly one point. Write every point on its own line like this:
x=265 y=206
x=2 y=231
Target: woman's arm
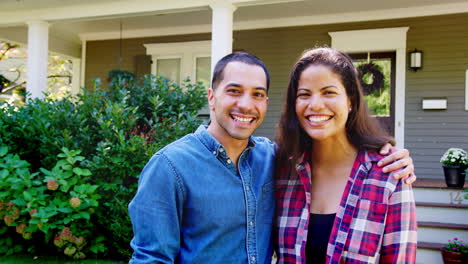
x=400 y=236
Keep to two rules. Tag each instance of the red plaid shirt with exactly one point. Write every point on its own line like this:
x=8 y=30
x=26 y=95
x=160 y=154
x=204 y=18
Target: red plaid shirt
x=375 y=222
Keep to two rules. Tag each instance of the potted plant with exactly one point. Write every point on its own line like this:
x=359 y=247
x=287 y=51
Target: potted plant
x=456 y=251
x=454 y=161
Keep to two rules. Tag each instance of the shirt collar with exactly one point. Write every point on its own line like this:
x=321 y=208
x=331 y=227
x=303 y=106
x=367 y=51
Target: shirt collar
x=212 y=144
x=363 y=156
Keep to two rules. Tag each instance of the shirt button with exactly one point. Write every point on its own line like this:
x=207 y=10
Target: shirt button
x=229 y=161
x=214 y=152
x=253 y=258
x=251 y=223
x=221 y=149
x=247 y=187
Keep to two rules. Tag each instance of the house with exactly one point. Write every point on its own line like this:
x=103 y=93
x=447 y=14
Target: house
x=428 y=106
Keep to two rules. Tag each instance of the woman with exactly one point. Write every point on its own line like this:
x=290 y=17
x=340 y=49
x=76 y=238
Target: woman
x=334 y=204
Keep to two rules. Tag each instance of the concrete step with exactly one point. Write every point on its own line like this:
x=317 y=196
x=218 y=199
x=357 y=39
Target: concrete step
x=442 y=213
x=441 y=232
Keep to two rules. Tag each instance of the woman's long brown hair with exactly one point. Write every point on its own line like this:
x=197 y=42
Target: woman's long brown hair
x=363 y=131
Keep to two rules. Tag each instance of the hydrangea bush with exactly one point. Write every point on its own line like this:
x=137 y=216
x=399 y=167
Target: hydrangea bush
x=116 y=129
x=55 y=204
x=455 y=157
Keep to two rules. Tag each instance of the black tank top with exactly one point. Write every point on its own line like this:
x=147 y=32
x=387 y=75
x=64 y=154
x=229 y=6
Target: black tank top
x=320 y=226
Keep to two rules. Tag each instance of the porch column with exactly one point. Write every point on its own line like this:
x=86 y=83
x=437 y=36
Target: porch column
x=38 y=47
x=221 y=30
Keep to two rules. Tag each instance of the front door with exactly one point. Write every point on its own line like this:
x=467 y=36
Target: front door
x=378 y=81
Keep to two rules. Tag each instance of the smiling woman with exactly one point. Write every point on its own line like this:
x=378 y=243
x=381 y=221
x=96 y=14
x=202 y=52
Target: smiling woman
x=327 y=171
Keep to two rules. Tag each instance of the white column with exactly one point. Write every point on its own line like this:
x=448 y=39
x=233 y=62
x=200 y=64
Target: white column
x=76 y=76
x=221 y=32
x=38 y=48
x=83 y=63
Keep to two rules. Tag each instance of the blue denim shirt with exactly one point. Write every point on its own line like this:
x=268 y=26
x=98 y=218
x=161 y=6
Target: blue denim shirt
x=194 y=206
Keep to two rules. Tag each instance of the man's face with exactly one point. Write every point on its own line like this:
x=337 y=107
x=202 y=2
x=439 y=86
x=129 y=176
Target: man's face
x=239 y=103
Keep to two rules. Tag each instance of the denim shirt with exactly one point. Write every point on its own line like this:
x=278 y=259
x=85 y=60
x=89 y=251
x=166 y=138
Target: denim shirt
x=194 y=206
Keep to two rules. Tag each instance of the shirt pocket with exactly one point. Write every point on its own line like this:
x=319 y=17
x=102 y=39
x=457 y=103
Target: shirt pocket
x=352 y=257
x=367 y=228
x=268 y=201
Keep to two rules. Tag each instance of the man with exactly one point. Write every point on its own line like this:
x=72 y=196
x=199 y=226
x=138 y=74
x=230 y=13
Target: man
x=208 y=197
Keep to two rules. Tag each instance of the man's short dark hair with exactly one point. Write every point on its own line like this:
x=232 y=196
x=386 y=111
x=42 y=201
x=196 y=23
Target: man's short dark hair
x=240 y=56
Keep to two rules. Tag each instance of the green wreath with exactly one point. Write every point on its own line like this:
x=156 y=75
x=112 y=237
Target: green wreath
x=371 y=77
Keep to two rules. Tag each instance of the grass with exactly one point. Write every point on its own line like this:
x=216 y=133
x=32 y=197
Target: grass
x=49 y=260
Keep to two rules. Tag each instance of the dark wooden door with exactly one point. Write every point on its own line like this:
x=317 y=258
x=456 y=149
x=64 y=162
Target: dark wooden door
x=380 y=100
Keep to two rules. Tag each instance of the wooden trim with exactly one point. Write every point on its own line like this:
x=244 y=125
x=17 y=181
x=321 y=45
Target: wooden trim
x=430 y=245
x=442 y=205
x=434 y=184
x=442 y=225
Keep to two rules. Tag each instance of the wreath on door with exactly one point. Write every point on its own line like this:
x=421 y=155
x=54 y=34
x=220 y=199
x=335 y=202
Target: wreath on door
x=371 y=77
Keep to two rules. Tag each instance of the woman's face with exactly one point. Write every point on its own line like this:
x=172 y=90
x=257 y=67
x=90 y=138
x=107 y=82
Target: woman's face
x=322 y=106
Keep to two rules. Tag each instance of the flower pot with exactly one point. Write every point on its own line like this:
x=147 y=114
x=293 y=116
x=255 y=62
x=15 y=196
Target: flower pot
x=454 y=176
x=450 y=257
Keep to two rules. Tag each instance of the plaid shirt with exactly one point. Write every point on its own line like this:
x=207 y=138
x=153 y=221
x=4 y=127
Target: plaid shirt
x=375 y=222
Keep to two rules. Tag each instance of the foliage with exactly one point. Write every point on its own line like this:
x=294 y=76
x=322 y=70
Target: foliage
x=13 y=87
x=377 y=98
x=25 y=259
x=455 y=157
x=456 y=245
x=59 y=78
x=117 y=129
x=59 y=203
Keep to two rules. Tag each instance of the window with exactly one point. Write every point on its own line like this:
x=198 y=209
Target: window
x=169 y=68
x=179 y=60
x=203 y=70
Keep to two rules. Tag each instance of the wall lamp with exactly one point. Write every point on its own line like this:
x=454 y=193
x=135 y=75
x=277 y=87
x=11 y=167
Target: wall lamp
x=415 y=60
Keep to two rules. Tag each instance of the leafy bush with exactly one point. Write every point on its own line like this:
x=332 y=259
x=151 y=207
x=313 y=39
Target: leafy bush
x=117 y=130
x=59 y=203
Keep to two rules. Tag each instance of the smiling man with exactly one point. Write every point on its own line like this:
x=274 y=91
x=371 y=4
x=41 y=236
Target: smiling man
x=208 y=197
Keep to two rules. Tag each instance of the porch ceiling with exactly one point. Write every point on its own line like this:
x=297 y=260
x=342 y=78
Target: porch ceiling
x=258 y=16
x=178 y=17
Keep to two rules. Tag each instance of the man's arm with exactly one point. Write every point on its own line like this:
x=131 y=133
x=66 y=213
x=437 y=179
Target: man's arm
x=156 y=212
x=398 y=162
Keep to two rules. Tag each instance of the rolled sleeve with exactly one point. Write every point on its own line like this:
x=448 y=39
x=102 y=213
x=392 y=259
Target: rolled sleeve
x=156 y=213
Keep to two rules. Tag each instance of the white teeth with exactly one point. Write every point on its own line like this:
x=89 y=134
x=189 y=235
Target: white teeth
x=241 y=119
x=318 y=118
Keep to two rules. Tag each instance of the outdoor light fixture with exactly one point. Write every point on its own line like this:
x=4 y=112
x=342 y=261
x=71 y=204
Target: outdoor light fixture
x=415 y=60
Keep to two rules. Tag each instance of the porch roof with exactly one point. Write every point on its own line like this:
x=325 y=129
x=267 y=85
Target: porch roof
x=74 y=21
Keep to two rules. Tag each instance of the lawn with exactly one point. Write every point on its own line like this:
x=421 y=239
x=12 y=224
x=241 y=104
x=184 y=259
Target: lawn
x=50 y=260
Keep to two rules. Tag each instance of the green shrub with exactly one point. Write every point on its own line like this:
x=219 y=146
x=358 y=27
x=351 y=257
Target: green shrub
x=117 y=130
x=59 y=203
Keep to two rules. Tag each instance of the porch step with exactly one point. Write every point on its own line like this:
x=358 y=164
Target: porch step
x=430 y=245
x=442 y=225
x=439 y=195
x=424 y=256
x=442 y=213
x=429 y=253
x=436 y=232
x=433 y=183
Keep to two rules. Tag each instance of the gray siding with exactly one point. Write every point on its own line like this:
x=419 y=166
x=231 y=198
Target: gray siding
x=443 y=40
